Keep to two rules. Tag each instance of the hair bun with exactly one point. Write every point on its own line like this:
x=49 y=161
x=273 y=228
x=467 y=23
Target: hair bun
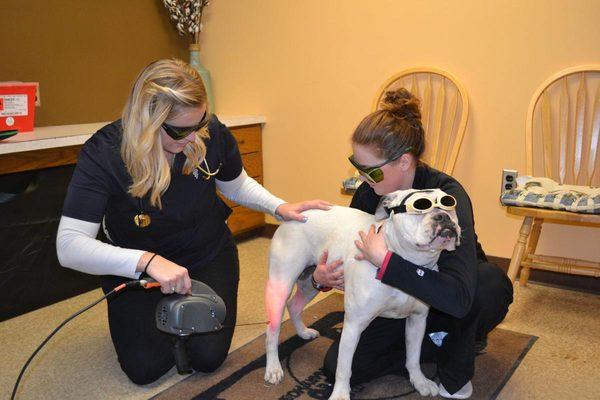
x=402 y=104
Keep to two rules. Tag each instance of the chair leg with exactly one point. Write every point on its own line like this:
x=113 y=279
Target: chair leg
x=517 y=256
x=532 y=245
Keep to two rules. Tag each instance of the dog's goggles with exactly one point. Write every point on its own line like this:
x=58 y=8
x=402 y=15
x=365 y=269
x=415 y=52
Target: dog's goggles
x=415 y=204
x=180 y=132
x=374 y=174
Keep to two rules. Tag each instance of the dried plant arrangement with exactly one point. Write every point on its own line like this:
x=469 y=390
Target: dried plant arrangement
x=187 y=16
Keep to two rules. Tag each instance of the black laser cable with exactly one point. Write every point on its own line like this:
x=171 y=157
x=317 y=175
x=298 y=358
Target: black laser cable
x=122 y=286
x=145 y=283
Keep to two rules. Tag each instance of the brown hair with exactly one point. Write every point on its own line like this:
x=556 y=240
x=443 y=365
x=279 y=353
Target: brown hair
x=395 y=128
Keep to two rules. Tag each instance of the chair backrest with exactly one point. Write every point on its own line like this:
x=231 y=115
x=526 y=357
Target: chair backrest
x=444 y=111
x=563 y=127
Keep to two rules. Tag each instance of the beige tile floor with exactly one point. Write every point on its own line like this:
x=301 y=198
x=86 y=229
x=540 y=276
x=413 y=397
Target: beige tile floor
x=79 y=362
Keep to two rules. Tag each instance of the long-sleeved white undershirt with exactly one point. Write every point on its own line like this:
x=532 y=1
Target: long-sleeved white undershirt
x=78 y=248
x=245 y=191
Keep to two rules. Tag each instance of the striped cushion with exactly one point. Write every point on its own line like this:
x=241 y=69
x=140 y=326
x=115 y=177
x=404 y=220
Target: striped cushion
x=546 y=193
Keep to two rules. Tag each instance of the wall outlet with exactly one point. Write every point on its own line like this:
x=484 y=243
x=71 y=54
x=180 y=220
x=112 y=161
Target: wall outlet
x=509 y=179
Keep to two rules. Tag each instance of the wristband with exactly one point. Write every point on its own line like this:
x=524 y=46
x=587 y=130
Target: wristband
x=317 y=286
x=148 y=263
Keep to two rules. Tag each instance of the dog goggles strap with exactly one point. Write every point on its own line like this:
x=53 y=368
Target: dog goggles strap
x=402 y=208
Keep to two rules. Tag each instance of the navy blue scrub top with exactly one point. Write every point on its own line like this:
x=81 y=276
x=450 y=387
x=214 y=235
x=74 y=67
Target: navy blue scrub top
x=190 y=228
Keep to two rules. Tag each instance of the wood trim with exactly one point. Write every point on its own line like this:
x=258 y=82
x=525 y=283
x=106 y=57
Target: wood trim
x=248 y=138
x=563 y=281
x=592 y=220
x=580 y=150
x=594 y=139
x=38 y=159
x=253 y=164
x=563 y=265
x=426 y=102
x=547 y=136
x=243 y=219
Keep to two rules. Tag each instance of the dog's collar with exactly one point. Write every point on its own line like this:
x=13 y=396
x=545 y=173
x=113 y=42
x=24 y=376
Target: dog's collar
x=401 y=208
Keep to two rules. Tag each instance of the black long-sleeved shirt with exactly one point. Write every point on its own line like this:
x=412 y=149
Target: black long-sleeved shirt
x=452 y=288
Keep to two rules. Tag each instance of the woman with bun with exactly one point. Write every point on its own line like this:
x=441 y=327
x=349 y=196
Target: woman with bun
x=469 y=296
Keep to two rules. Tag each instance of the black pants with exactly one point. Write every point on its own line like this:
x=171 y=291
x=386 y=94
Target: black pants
x=381 y=348
x=144 y=352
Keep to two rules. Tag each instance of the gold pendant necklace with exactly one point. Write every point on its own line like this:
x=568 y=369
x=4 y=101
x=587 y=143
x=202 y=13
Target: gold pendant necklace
x=142 y=219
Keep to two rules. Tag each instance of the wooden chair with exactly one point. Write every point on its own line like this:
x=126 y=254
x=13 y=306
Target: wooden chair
x=444 y=111
x=562 y=134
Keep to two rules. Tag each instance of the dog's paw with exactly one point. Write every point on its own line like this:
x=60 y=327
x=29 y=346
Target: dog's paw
x=341 y=390
x=308 y=334
x=274 y=374
x=339 y=396
x=425 y=387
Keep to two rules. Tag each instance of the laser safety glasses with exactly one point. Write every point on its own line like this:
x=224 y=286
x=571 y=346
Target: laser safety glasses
x=180 y=132
x=419 y=203
x=374 y=174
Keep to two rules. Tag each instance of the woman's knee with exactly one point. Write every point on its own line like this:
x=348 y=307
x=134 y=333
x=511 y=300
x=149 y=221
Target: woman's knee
x=145 y=373
x=493 y=285
x=209 y=362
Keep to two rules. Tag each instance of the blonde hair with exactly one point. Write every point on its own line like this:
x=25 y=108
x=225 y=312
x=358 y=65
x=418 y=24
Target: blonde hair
x=161 y=91
x=395 y=127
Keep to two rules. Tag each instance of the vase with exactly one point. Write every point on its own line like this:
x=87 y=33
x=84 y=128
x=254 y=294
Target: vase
x=204 y=73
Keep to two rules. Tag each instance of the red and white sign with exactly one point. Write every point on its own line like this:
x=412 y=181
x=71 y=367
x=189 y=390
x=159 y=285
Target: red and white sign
x=17 y=105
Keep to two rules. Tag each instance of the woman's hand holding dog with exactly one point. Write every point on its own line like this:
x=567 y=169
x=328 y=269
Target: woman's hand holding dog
x=329 y=275
x=372 y=246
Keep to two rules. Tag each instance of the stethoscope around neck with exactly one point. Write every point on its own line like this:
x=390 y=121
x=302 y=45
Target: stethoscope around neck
x=207 y=172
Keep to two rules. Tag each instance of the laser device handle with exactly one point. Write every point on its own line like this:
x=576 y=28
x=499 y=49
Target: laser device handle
x=181 y=358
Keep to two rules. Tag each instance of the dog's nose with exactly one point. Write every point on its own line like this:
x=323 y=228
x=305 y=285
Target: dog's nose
x=441 y=217
x=448 y=233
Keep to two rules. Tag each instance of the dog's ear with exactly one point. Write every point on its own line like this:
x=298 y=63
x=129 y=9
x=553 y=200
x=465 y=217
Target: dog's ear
x=381 y=212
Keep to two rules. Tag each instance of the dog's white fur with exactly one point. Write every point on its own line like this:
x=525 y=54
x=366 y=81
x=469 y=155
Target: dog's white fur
x=297 y=245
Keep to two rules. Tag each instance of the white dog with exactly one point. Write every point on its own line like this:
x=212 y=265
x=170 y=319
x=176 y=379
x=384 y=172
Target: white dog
x=416 y=224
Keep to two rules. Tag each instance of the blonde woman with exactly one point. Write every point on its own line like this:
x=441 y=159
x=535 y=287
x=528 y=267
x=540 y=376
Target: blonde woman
x=150 y=179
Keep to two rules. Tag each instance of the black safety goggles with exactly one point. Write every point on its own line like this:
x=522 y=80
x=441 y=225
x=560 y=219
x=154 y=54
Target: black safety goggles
x=180 y=132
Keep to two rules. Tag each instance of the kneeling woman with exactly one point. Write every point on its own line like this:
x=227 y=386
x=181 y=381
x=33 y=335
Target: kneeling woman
x=468 y=296
x=151 y=180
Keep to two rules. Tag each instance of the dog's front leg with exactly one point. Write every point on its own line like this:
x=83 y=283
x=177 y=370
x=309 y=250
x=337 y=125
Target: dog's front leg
x=350 y=336
x=415 y=330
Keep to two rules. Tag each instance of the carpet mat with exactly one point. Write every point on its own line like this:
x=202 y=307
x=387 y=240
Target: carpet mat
x=241 y=376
